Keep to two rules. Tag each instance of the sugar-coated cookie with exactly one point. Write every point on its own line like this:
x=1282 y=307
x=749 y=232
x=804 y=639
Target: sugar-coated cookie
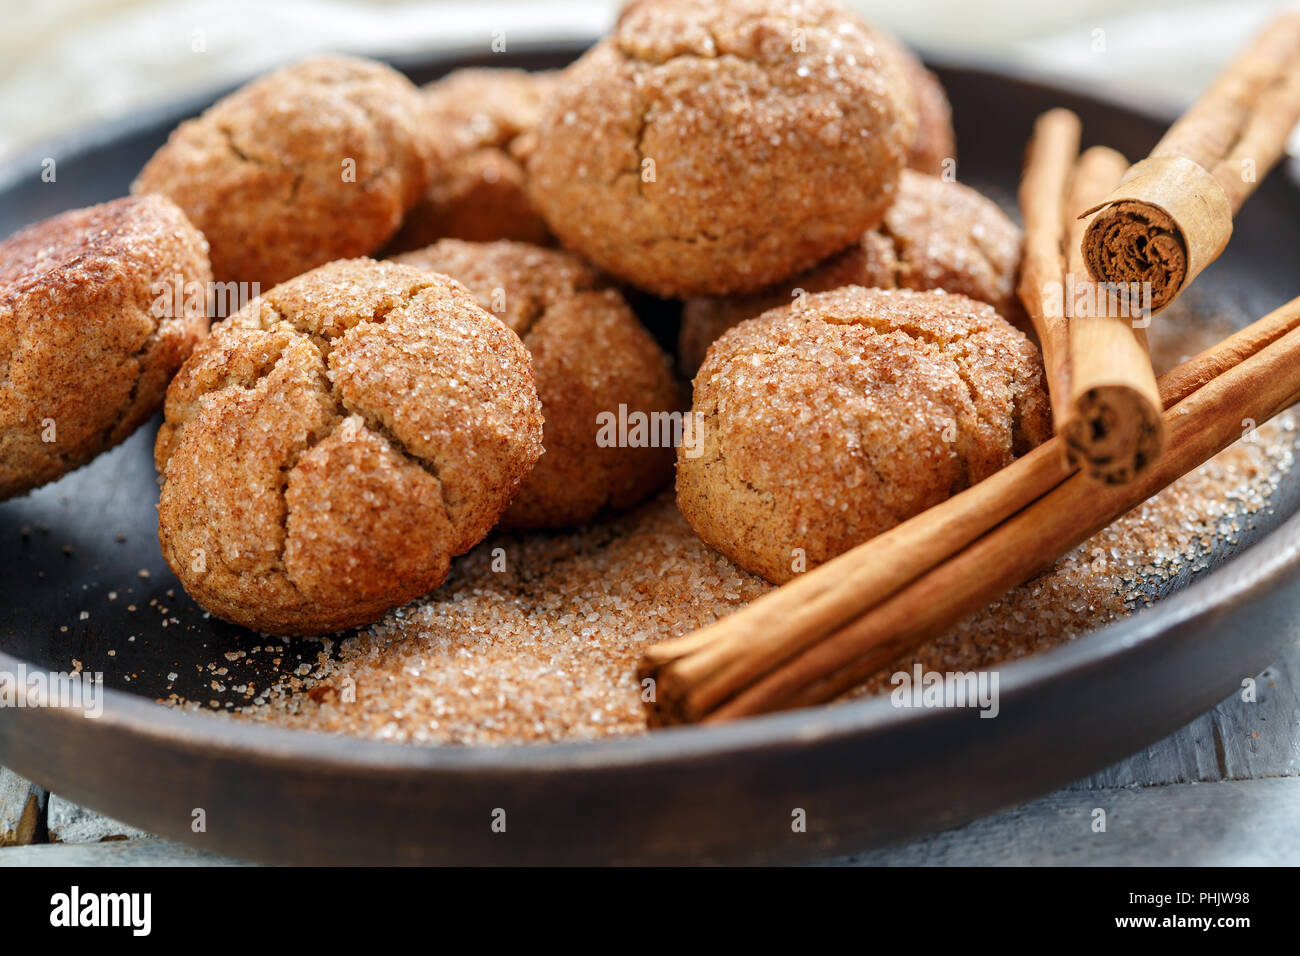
x=594 y=364
x=336 y=442
x=483 y=123
x=827 y=424
x=98 y=309
x=708 y=148
x=314 y=162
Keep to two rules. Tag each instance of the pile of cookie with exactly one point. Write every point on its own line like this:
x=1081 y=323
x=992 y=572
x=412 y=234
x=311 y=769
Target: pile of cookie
x=443 y=315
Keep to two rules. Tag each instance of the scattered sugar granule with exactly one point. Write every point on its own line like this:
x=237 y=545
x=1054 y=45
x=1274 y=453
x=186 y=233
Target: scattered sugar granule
x=547 y=649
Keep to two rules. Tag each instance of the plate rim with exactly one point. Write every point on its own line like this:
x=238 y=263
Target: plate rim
x=1274 y=557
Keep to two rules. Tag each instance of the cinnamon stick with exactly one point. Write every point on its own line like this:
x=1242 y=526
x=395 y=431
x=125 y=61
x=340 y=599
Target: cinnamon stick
x=698 y=672
x=1199 y=427
x=1049 y=164
x=718 y=669
x=1113 y=427
x=1172 y=215
x=1103 y=392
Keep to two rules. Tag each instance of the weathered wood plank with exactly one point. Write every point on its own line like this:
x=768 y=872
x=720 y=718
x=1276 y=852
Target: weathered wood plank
x=1185 y=756
x=1231 y=822
x=1222 y=823
x=148 y=852
x=1263 y=739
x=1238 y=740
x=69 y=823
x=22 y=809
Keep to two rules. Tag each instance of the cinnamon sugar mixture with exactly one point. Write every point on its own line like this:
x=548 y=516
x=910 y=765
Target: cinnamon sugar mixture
x=536 y=638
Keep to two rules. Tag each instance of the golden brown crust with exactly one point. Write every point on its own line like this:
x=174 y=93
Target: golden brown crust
x=334 y=443
x=590 y=354
x=935 y=140
x=711 y=148
x=947 y=236
x=826 y=425
x=98 y=308
x=936 y=235
x=515 y=281
x=935 y=145
x=482 y=121
x=314 y=162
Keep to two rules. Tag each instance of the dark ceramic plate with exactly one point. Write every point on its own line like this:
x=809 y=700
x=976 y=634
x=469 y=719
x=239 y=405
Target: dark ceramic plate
x=864 y=772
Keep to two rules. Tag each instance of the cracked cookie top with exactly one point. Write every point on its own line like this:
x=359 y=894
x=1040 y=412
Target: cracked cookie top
x=590 y=356
x=936 y=235
x=98 y=308
x=515 y=281
x=314 y=162
x=709 y=148
x=335 y=442
x=483 y=122
x=827 y=424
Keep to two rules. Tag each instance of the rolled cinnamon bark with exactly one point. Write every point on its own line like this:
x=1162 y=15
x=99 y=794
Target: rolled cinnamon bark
x=1172 y=214
x=1105 y=405
x=1113 y=430
x=1049 y=162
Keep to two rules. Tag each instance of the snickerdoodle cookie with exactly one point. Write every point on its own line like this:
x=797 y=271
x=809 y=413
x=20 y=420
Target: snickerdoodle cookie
x=936 y=235
x=935 y=142
x=482 y=122
x=591 y=358
x=708 y=148
x=98 y=308
x=314 y=162
x=335 y=442
x=827 y=425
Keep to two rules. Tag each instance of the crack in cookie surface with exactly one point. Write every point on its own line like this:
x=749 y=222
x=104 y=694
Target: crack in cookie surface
x=828 y=424
x=259 y=171
x=282 y=462
x=769 y=156
x=82 y=345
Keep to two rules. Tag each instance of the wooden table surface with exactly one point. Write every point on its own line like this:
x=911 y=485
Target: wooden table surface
x=1223 y=790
